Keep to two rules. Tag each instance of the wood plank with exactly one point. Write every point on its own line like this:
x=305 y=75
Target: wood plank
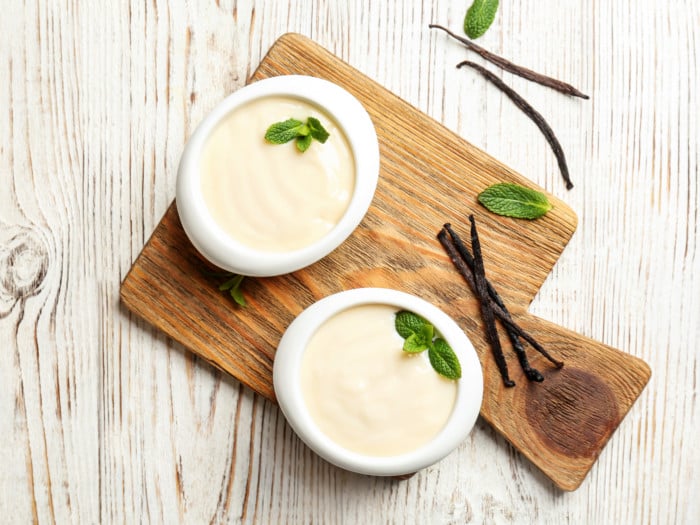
x=426 y=179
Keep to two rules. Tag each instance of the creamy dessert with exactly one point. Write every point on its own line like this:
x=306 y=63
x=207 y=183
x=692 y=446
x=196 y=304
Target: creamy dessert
x=274 y=197
x=364 y=392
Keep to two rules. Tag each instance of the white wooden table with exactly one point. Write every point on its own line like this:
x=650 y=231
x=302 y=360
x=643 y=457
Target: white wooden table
x=103 y=419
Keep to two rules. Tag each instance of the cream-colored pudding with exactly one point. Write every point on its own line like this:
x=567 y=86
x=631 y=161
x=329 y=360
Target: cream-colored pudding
x=364 y=392
x=272 y=197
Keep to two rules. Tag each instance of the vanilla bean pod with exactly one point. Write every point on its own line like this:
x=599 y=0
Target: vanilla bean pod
x=531 y=373
x=532 y=113
x=502 y=316
x=485 y=303
x=507 y=65
x=511 y=325
x=499 y=310
x=486 y=312
x=506 y=319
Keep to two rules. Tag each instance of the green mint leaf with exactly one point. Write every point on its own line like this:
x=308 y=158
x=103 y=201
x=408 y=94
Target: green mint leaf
x=420 y=340
x=418 y=334
x=233 y=281
x=513 y=200
x=233 y=287
x=317 y=130
x=479 y=17
x=226 y=286
x=444 y=360
x=414 y=344
x=303 y=143
x=282 y=132
x=407 y=323
x=427 y=332
x=290 y=129
x=237 y=296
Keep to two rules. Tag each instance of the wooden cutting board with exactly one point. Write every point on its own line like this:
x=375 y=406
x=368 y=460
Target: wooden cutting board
x=428 y=177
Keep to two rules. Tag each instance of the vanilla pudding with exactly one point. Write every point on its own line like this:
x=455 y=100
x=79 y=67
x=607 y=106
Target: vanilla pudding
x=364 y=392
x=260 y=209
x=272 y=197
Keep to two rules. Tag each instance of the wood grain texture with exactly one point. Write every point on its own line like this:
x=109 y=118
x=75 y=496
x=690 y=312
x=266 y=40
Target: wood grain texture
x=425 y=179
x=105 y=420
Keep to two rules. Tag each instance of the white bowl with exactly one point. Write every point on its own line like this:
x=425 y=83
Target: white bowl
x=287 y=383
x=219 y=247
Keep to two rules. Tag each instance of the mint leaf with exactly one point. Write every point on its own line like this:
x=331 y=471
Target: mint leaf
x=282 y=132
x=233 y=287
x=419 y=334
x=414 y=344
x=317 y=130
x=419 y=341
x=513 y=200
x=444 y=360
x=427 y=332
x=303 y=143
x=479 y=17
x=237 y=296
x=290 y=129
x=407 y=323
x=227 y=285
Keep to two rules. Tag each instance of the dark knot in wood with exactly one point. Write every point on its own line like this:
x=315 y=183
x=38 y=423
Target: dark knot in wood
x=24 y=261
x=573 y=412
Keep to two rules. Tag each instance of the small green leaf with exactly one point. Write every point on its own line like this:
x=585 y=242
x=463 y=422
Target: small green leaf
x=233 y=287
x=230 y=283
x=444 y=360
x=226 y=286
x=317 y=130
x=513 y=200
x=237 y=296
x=418 y=334
x=407 y=323
x=479 y=17
x=281 y=132
x=414 y=344
x=303 y=143
x=427 y=332
x=420 y=340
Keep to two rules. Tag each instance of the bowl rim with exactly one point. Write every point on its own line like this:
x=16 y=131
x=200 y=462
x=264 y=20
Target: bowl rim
x=219 y=247
x=287 y=384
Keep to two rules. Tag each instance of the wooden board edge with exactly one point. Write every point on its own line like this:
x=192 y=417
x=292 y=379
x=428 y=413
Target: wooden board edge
x=577 y=481
x=636 y=376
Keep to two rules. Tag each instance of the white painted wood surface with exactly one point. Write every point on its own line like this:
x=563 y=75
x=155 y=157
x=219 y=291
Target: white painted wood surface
x=103 y=419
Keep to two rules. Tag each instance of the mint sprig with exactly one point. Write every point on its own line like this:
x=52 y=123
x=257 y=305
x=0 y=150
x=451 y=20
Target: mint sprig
x=317 y=130
x=420 y=335
x=303 y=143
x=233 y=287
x=407 y=323
x=302 y=133
x=443 y=359
x=513 y=200
x=479 y=17
x=420 y=340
